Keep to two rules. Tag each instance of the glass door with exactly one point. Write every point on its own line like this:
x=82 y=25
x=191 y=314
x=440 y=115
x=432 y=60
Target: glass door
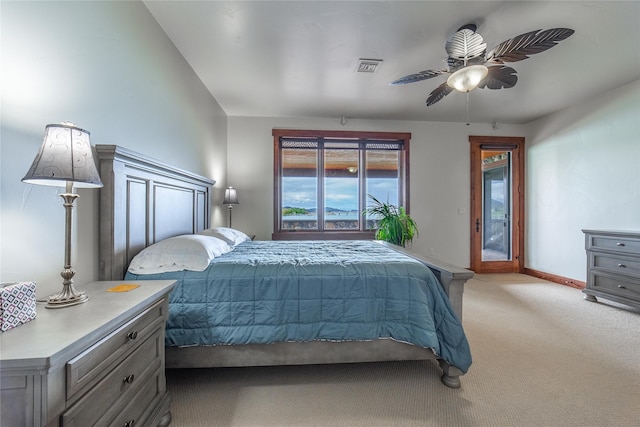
x=496 y=207
x=497 y=204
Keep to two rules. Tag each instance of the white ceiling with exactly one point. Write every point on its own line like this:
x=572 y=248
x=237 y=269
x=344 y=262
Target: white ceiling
x=298 y=58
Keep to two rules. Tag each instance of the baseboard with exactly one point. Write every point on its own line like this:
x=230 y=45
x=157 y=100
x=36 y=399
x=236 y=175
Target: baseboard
x=555 y=278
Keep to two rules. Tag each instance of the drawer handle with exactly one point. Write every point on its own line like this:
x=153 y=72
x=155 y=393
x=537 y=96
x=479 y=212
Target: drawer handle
x=128 y=379
x=622 y=266
x=129 y=423
x=132 y=335
x=622 y=287
x=620 y=244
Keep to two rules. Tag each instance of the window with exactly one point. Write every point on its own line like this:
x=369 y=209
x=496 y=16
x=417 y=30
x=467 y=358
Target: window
x=322 y=179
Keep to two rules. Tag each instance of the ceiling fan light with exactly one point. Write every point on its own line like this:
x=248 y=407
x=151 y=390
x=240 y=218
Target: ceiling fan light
x=466 y=79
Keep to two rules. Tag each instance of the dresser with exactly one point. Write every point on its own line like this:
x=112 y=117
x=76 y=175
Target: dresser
x=613 y=266
x=100 y=363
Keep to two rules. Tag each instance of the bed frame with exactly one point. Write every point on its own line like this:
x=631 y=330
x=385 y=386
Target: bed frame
x=144 y=201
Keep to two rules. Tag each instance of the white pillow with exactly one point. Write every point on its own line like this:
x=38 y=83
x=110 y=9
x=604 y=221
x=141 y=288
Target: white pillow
x=230 y=235
x=187 y=252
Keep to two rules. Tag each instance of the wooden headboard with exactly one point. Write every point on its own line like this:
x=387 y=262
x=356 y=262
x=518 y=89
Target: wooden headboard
x=144 y=201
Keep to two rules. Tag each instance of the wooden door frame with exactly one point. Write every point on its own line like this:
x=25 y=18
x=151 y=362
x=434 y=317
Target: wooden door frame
x=516 y=146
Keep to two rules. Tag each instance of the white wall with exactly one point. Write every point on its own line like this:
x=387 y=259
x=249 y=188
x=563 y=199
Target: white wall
x=109 y=68
x=439 y=176
x=583 y=172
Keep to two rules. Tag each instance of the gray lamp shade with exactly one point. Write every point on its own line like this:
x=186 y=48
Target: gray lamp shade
x=230 y=197
x=65 y=156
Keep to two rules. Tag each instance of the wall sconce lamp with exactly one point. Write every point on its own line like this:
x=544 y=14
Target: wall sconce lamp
x=65 y=159
x=230 y=199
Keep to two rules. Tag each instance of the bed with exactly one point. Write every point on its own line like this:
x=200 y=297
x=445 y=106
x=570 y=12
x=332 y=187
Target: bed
x=145 y=203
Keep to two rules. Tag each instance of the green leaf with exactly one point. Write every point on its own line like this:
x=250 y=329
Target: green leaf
x=394 y=225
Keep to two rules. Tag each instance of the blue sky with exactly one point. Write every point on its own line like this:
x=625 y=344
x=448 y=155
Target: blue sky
x=341 y=193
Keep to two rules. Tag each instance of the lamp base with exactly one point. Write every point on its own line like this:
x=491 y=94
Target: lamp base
x=69 y=296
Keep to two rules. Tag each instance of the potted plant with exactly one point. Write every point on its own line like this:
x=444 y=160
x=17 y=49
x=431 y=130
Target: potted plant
x=394 y=225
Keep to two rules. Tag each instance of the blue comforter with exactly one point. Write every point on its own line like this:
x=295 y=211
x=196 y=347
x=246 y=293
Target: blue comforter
x=275 y=291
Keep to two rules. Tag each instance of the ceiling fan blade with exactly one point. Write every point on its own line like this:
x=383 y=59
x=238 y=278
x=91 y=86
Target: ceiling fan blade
x=520 y=47
x=422 y=75
x=438 y=93
x=465 y=44
x=499 y=77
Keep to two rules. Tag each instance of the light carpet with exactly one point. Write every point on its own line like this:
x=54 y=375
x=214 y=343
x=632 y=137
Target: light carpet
x=542 y=356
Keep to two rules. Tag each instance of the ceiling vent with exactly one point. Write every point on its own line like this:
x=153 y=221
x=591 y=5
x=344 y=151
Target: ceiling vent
x=368 y=65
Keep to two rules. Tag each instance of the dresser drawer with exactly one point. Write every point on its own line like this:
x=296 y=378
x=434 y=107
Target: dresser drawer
x=136 y=413
x=617 y=264
x=90 y=366
x=614 y=243
x=622 y=286
x=121 y=386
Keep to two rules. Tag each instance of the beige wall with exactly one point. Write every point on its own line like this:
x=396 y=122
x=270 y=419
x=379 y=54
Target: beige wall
x=582 y=171
x=109 y=68
x=439 y=176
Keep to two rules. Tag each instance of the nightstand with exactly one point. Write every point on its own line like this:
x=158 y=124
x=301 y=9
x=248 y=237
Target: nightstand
x=97 y=363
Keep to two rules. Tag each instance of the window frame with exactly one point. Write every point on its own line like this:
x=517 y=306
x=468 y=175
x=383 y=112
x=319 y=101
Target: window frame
x=356 y=136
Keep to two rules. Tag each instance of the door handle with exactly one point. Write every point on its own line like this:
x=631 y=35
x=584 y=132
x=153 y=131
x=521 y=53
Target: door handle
x=477 y=225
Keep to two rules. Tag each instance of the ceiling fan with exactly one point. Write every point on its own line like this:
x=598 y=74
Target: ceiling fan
x=470 y=66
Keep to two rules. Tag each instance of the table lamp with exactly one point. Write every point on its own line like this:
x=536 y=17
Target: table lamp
x=65 y=159
x=230 y=199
